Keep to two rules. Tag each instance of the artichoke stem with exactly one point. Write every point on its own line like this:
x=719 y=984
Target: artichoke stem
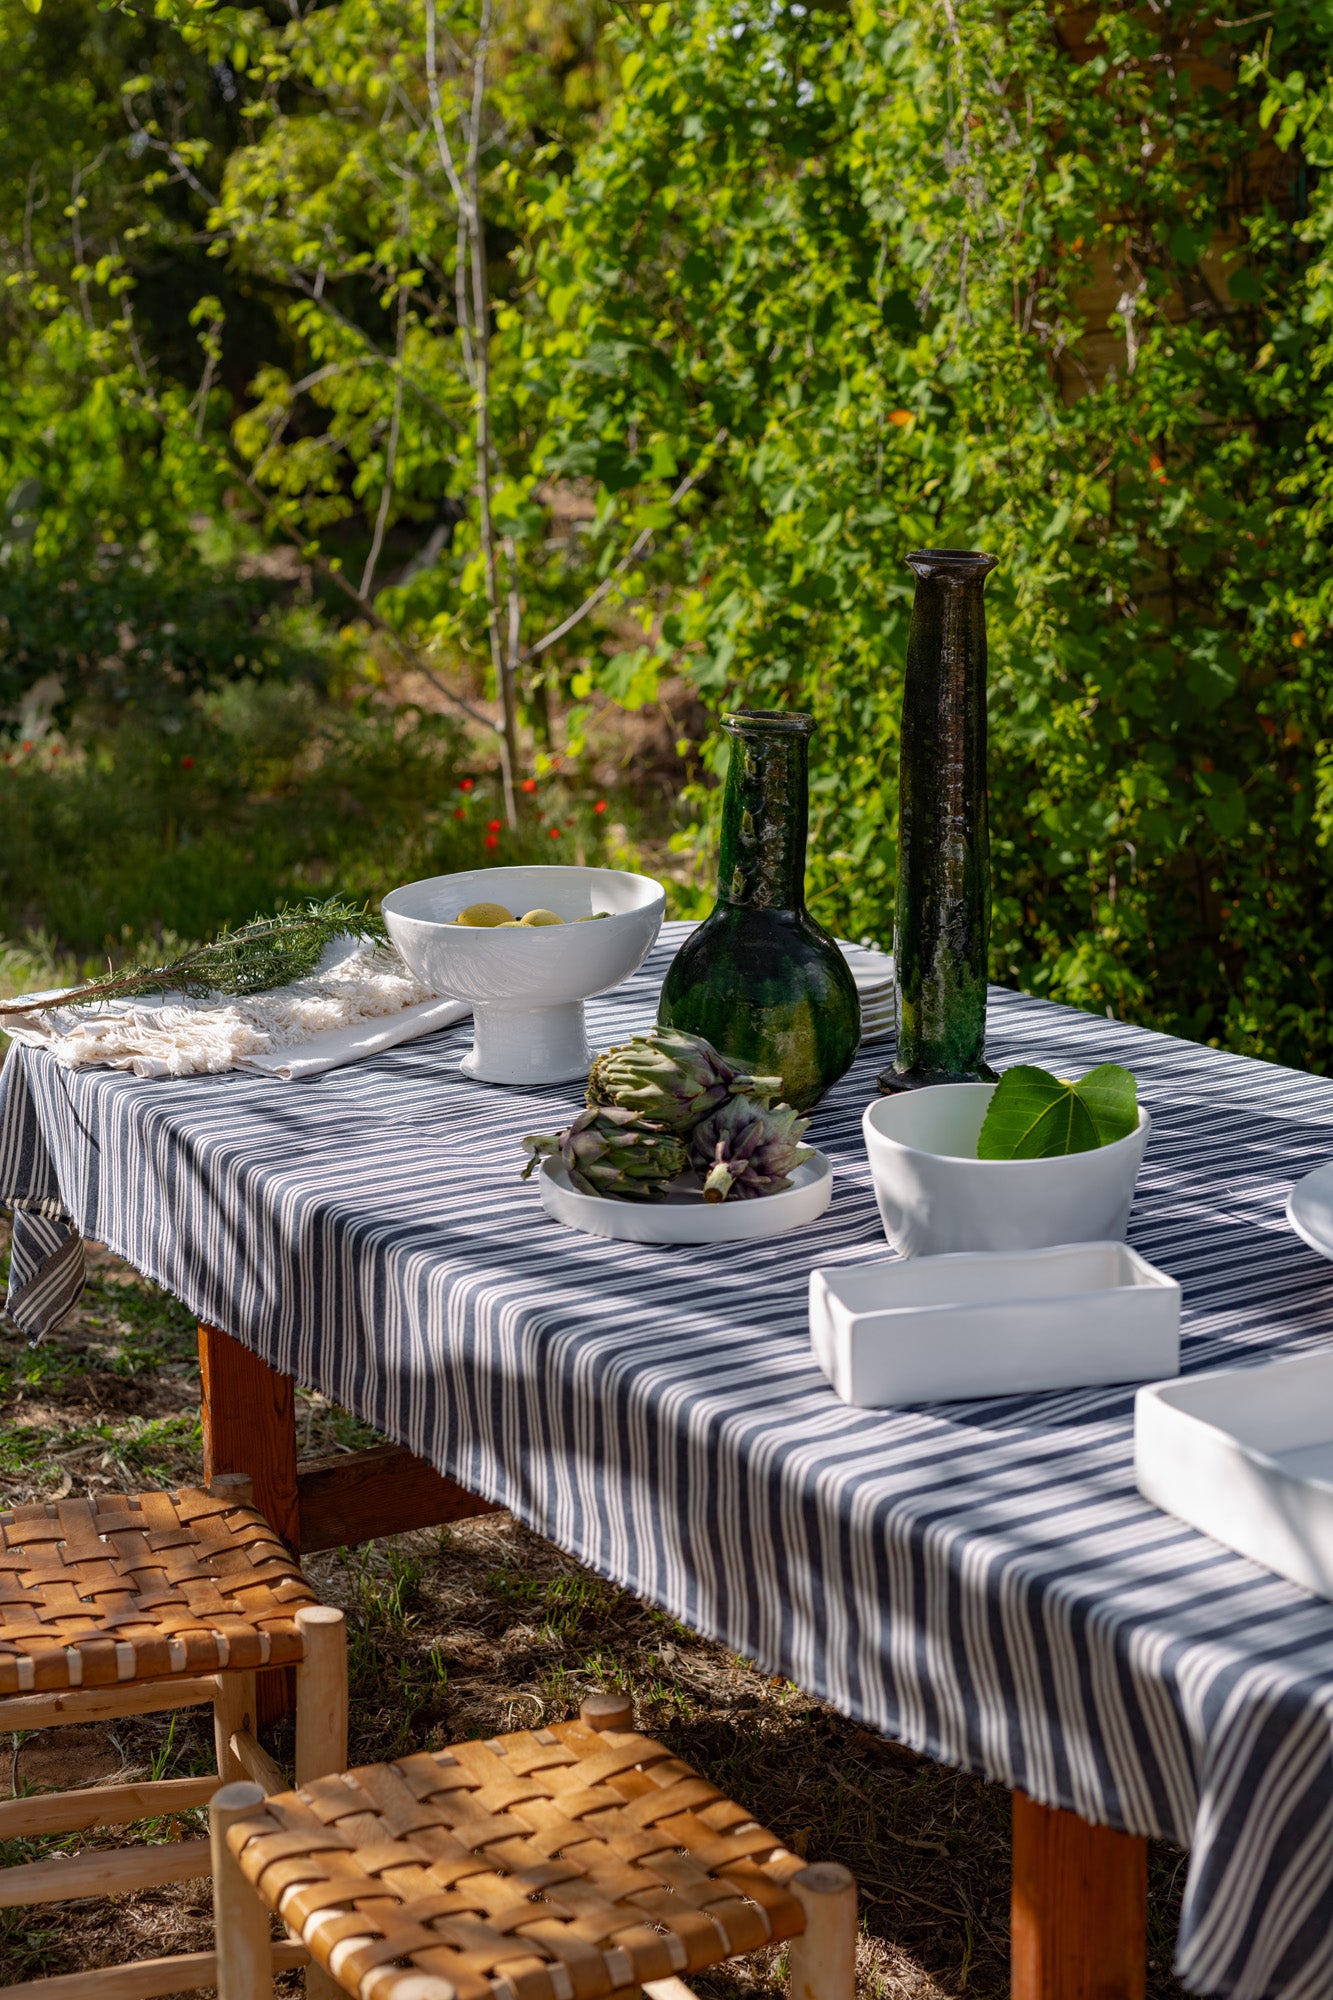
x=758 y=1086
x=720 y=1182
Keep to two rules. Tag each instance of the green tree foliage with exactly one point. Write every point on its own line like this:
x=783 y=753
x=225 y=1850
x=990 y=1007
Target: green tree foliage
x=881 y=248
x=768 y=293
x=239 y=292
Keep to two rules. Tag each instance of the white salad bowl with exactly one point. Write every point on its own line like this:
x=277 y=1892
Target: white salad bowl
x=935 y=1196
x=527 y=987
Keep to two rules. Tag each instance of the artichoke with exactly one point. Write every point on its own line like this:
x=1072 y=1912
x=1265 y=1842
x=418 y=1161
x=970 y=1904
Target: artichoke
x=673 y=1078
x=746 y=1149
x=608 y=1150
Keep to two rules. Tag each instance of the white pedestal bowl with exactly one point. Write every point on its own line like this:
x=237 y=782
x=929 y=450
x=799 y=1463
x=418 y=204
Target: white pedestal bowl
x=527 y=987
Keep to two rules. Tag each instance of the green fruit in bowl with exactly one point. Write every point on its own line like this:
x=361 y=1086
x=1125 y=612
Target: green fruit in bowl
x=484 y=916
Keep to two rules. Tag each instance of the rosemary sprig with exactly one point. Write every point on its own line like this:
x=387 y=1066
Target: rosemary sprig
x=256 y=957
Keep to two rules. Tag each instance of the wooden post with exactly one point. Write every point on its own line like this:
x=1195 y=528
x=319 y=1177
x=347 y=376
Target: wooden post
x=1079 y=1908
x=321 y=1693
x=249 y=1419
x=249 y=1422
x=240 y=1921
x=822 y=1962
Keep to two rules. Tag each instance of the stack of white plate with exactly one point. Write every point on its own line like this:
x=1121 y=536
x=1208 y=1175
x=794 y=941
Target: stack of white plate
x=873 y=972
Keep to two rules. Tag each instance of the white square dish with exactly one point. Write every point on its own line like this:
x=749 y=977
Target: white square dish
x=993 y=1323
x=1246 y=1454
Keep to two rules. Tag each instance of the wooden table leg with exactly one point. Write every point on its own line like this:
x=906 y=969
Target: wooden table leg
x=249 y=1420
x=1079 y=1908
x=249 y=1417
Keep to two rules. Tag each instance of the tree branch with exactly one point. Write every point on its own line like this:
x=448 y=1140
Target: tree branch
x=461 y=205
x=505 y=678
x=635 y=549
x=390 y=454
x=372 y=617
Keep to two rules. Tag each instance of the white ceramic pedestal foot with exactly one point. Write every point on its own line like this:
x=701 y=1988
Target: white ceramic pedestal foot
x=528 y=1044
x=527 y=986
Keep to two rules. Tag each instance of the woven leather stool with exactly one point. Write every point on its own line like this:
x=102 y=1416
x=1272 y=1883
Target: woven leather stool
x=554 y=1864
x=132 y=1604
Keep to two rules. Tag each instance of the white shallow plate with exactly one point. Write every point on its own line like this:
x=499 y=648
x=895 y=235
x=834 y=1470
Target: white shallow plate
x=993 y=1323
x=1310 y=1209
x=686 y=1218
x=1246 y=1454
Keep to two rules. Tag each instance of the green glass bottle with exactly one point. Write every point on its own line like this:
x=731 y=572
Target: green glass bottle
x=942 y=937
x=761 y=979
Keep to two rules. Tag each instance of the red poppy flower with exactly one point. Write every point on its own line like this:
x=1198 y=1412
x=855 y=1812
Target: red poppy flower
x=529 y=785
x=492 y=840
x=187 y=763
x=555 y=833
x=27 y=746
x=466 y=784
x=494 y=825
x=600 y=806
x=460 y=812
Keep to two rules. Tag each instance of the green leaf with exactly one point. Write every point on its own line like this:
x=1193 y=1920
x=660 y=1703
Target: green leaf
x=1188 y=245
x=1036 y=1116
x=1112 y=1098
x=1033 y=1116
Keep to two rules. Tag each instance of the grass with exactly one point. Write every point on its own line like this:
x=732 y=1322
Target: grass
x=134 y=840
x=480 y=1628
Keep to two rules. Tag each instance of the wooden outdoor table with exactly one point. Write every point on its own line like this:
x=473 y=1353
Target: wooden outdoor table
x=1079 y=1898
x=978 y=1580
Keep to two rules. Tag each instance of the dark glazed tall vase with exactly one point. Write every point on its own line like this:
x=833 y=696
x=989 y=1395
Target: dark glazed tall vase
x=761 y=979
x=943 y=915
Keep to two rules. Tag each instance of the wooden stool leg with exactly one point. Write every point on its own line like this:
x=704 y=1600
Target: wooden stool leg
x=1079 y=1914
x=822 y=1963
x=321 y=1693
x=607 y=1711
x=234 y=1705
x=233 y=1710
x=245 y=1953
x=321 y=1727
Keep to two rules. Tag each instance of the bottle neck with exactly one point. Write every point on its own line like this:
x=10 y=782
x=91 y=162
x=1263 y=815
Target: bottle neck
x=765 y=808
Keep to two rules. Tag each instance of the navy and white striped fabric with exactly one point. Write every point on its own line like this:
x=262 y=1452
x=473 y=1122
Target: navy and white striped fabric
x=980 y=1580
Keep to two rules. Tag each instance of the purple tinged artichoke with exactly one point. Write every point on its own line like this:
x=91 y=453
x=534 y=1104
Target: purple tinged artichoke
x=611 y=1151
x=746 y=1149
x=673 y=1078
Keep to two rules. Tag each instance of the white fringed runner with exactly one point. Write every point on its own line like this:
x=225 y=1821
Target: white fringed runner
x=359 y=1000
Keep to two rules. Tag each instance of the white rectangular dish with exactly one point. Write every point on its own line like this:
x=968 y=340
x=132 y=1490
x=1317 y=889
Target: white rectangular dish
x=1246 y=1454
x=993 y=1323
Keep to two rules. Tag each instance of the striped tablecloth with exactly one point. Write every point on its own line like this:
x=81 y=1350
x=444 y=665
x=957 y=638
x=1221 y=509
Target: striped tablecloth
x=979 y=1580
